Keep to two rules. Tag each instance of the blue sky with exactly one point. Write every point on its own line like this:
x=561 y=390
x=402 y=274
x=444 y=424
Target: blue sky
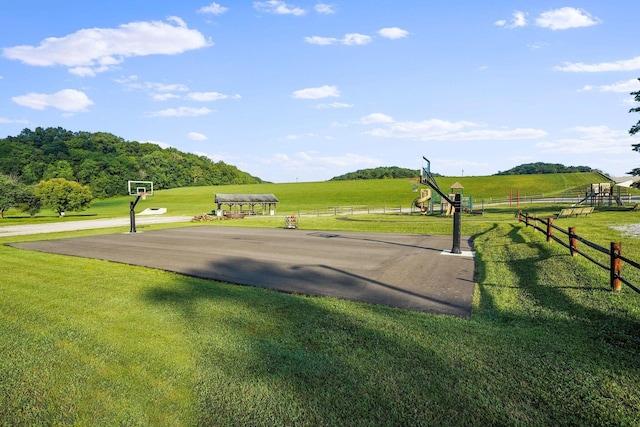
x=302 y=90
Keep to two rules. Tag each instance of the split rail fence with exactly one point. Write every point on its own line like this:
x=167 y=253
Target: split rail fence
x=614 y=252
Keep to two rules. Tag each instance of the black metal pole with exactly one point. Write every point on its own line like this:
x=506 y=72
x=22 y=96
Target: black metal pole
x=132 y=214
x=457 y=220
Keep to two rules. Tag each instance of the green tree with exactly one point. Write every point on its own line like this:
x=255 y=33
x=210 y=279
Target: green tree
x=62 y=195
x=635 y=128
x=383 y=172
x=59 y=169
x=11 y=193
x=29 y=202
x=104 y=161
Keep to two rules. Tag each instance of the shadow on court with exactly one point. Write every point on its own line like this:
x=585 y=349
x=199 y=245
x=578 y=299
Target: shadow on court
x=399 y=270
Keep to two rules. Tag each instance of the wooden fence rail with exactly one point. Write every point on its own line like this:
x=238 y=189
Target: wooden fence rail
x=614 y=252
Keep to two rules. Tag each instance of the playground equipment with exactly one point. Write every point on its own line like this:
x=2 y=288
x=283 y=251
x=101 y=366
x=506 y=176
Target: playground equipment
x=600 y=192
x=429 y=203
x=427 y=178
x=140 y=190
x=422 y=202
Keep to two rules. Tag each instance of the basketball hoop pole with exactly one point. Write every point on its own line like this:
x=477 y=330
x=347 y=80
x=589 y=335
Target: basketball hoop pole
x=139 y=189
x=427 y=178
x=132 y=213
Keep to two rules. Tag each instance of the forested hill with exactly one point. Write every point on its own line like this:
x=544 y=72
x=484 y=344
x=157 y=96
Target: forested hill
x=378 y=173
x=538 y=168
x=105 y=162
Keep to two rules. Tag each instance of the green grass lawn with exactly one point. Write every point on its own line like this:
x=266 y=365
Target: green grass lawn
x=309 y=196
x=88 y=342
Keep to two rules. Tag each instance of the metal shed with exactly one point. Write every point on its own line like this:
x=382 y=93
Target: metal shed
x=246 y=204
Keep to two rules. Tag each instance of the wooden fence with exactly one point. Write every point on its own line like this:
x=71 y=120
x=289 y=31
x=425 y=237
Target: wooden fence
x=351 y=210
x=614 y=252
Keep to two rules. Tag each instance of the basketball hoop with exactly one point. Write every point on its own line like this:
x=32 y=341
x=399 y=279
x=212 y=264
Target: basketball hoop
x=139 y=190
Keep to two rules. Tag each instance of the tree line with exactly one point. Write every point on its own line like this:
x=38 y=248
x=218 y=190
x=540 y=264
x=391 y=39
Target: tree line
x=543 y=168
x=104 y=162
x=378 y=173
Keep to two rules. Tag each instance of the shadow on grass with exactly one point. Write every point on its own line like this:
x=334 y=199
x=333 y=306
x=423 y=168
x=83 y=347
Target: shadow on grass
x=271 y=358
x=267 y=358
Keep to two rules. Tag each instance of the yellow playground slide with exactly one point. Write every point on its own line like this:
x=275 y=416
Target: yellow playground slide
x=422 y=202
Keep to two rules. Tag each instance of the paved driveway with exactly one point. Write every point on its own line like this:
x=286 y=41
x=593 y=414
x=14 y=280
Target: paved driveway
x=399 y=270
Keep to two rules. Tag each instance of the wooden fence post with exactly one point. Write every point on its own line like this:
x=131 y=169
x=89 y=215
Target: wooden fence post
x=573 y=242
x=520 y=215
x=526 y=219
x=616 y=266
x=549 y=229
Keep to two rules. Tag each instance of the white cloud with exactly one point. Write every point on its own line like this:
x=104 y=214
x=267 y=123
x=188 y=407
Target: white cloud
x=164 y=96
x=180 y=112
x=443 y=130
x=69 y=100
x=317 y=92
x=278 y=7
x=197 y=136
x=566 y=18
x=348 y=39
x=357 y=39
x=335 y=105
x=209 y=96
x=4 y=120
x=312 y=161
x=590 y=140
x=301 y=136
x=536 y=45
x=163 y=87
x=427 y=129
x=94 y=50
x=323 y=41
x=376 y=118
x=627 y=86
x=563 y=18
x=622 y=65
x=496 y=135
x=165 y=91
x=325 y=9
x=518 y=19
x=214 y=9
x=393 y=33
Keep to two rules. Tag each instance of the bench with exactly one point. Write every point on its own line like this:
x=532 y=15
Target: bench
x=566 y=213
x=583 y=211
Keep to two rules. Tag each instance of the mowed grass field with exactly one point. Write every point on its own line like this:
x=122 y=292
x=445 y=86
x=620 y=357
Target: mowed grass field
x=88 y=342
x=295 y=197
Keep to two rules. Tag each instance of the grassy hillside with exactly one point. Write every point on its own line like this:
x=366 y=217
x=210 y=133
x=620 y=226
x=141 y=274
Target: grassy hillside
x=320 y=195
x=89 y=342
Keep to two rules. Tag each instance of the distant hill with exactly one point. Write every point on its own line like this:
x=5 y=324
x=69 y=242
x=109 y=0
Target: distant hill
x=378 y=173
x=105 y=162
x=543 y=168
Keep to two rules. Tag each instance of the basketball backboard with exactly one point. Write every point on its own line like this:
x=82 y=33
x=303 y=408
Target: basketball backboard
x=140 y=188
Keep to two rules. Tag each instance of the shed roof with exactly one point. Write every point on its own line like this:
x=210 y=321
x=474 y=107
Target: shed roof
x=246 y=198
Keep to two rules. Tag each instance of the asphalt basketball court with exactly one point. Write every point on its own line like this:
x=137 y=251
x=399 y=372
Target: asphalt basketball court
x=409 y=271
